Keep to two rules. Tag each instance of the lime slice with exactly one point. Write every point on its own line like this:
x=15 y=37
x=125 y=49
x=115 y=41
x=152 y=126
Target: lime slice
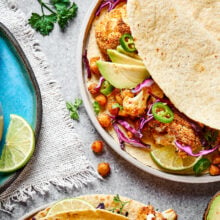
x=19 y=145
x=167 y=158
x=69 y=205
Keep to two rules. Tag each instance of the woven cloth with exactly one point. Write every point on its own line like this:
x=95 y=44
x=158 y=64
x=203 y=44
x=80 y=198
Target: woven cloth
x=58 y=159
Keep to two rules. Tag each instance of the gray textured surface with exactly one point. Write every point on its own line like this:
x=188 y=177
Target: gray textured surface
x=188 y=200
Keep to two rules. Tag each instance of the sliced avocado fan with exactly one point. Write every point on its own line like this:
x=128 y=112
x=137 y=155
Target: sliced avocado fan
x=122 y=75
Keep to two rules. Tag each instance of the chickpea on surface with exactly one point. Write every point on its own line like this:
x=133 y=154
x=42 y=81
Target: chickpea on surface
x=97 y=147
x=104 y=169
x=214 y=170
x=104 y=120
x=101 y=99
x=93 y=65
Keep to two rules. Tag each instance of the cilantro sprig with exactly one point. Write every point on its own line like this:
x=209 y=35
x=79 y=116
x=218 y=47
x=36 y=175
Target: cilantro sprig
x=119 y=204
x=61 y=11
x=73 y=108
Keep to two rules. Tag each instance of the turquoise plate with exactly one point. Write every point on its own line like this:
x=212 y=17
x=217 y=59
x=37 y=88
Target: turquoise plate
x=19 y=91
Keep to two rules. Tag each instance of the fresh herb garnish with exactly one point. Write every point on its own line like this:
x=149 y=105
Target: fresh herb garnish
x=211 y=136
x=96 y=107
x=73 y=108
x=61 y=11
x=117 y=105
x=120 y=204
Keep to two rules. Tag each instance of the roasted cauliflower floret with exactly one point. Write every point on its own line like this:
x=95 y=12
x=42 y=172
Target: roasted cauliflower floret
x=135 y=106
x=179 y=129
x=110 y=29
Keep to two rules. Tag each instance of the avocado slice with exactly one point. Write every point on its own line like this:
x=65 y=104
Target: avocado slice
x=117 y=57
x=122 y=75
x=213 y=209
x=121 y=50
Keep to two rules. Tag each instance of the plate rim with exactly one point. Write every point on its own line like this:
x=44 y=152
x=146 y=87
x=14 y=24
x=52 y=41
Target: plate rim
x=86 y=25
x=39 y=110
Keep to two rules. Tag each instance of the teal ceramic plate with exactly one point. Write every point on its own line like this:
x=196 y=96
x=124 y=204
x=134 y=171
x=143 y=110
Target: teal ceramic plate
x=19 y=91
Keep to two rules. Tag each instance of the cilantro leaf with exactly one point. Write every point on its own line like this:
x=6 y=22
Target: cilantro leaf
x=44 y=24
x=120 y=206
x=211 y=136
x=65 y=2
x=96 y=107
x=62 y=11
x=73 y=108
x=64 y=15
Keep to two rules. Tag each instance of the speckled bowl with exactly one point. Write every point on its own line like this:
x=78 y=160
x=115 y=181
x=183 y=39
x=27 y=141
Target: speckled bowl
x=109 y=140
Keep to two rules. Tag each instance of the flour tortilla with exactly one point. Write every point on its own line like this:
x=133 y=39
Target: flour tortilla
x=132 y=207
x=181 y=56
x=139 y=154
x=207 y=12
x=85 y=215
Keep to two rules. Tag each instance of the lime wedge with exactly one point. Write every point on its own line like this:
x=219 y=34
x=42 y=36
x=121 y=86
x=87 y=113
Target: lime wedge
x=167 y=158
x=19 y=145
x=69 y=205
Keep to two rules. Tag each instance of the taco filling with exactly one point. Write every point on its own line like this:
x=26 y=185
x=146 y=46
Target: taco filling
x=133 y=108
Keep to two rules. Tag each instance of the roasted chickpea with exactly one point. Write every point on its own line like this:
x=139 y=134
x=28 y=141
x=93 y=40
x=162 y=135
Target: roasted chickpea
x=111 y=108
x=93 y=65
x=97 y=147
x=130 y=135
x=101 y=99
x=92 y=89
x=119 y=99
x=126 y=92
x=216 y=160
x=104 y=120
x=122 y=113
x=214 y=170
x=104 y=169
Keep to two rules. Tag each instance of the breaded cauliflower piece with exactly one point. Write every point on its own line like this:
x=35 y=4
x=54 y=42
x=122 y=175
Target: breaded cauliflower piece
x=110 y=29
x=179 y=129
x=137 y=105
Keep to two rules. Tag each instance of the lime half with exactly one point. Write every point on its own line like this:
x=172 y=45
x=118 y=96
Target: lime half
x=67 y=205
x=167 y=158
x=19 y=145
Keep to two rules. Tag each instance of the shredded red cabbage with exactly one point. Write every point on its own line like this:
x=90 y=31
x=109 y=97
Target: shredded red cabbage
x=110 y=3
x=86 y=63
x=145 y=83
x=144 y=121
x=101 y=80
x=126 y=125
x=101 y=206
x=123 y=139
x=188 y=150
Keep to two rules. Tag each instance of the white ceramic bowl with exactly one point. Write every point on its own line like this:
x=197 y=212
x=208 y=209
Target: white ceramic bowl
x=109 y=140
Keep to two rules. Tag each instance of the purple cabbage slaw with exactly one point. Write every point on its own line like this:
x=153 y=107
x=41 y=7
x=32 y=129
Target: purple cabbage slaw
x=123 y=139
x=101 y=80
x=110 y=3
x=145 y=83
x=188 y=150
x=101 y=205
x=86 y=63
x=144 y=121
x=126 y=125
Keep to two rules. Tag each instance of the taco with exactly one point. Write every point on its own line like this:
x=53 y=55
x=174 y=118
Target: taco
x=154 y=82
x=102 y=207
